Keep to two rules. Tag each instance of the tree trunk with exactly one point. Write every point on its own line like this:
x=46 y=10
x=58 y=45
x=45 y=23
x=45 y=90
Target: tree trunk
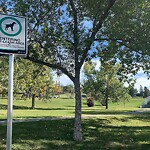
x=106 y=102
x=77 y=124
x=33 y=101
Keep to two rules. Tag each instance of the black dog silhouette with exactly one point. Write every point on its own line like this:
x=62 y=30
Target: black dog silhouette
x=11 y=25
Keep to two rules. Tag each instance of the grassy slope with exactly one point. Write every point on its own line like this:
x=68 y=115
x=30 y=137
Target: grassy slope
x=116 y=132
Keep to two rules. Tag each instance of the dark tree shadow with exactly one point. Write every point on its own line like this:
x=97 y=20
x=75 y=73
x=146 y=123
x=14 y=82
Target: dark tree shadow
x=52 y=109
x=98 y=135
x=4 y=107
x=107 y=112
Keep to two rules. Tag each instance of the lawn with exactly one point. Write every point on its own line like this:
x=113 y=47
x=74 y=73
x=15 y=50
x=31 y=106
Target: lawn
x=113 y=129
x=62 y=107
x=54 y=107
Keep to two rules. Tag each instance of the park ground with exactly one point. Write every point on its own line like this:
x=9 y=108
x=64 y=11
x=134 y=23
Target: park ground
x=123 y=126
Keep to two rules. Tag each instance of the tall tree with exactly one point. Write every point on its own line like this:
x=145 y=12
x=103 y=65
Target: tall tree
x=68 y=32
x=141 y=91
x=33 y=80
x=104 y=85
x=3 y=76
x=29 y=79
x=57 y=89
x=146 y=92
x=69 y=90
x=132 y=91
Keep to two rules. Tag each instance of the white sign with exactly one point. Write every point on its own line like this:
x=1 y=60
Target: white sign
x=13 y=34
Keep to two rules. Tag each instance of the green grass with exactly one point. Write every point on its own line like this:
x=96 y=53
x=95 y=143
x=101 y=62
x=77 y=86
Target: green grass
x=111 y=129
x=62 y=107
x=103 y=133
x=22 y=108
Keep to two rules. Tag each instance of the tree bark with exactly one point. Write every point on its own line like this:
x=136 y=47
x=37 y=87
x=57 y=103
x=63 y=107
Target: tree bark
x=106 y=102
x=77 y=124
x=33 y=101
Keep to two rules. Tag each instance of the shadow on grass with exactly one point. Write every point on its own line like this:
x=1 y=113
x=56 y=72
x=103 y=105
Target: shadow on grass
x=98 y=135
x=141 y=117
x=52 y=109
x=4 y=107
x=117 y=137
x=104 y=112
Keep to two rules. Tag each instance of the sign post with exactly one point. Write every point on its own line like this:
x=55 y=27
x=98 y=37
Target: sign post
x=13 y=41
x=10 y=102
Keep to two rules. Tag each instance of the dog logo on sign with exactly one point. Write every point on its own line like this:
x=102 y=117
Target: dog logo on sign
x=10 y=25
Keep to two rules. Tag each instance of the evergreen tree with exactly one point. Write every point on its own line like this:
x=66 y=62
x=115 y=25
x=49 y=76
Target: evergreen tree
x=132 y=91
x=141 y=91
x=146 y=92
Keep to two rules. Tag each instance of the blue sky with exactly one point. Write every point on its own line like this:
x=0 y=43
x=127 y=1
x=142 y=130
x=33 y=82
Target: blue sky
x=141 y=79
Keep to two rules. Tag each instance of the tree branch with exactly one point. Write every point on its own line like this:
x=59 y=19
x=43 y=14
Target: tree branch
x=39 y=20
x=111 y=39
x=96 y=28
x=120 y=41
x=54 y=66
x=102 y=18
x=75 y=33
x=72 y=5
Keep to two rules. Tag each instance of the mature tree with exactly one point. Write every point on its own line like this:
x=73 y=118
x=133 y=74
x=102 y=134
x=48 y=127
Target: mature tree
x=3 y=76
x=68 y=32
x=32 y=80
x=57 y=89
x=132 y=91
x=146 y=92
x=104 y=85
x=69 y=89
x=141 y=91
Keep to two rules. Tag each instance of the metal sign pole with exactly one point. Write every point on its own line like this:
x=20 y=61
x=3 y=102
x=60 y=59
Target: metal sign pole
x=10 y=102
